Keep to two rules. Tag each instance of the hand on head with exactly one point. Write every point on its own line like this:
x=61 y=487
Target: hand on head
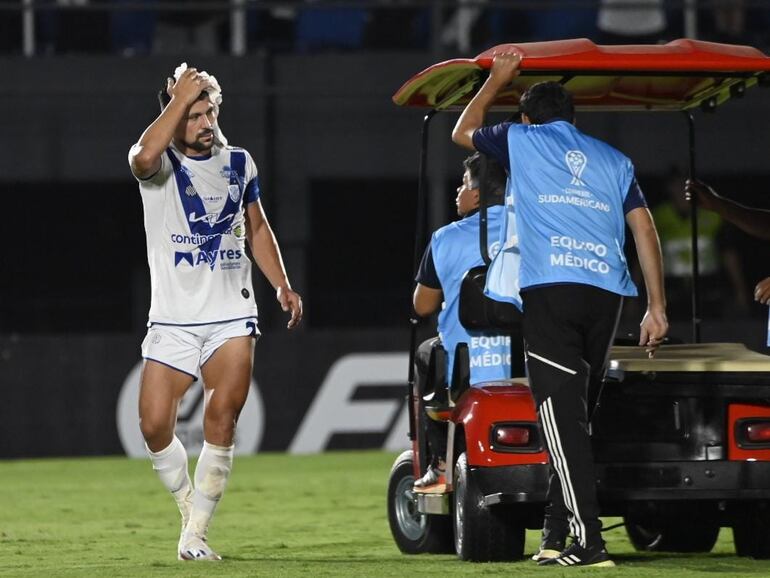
x=189 y=86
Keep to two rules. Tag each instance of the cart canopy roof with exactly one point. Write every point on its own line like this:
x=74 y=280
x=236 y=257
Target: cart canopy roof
x=680 y=75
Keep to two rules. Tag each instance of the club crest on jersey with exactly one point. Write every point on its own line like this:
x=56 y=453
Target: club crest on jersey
x=235 y=192
x=190 y=191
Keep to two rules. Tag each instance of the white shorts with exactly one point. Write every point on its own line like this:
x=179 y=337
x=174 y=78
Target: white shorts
x=187 y=347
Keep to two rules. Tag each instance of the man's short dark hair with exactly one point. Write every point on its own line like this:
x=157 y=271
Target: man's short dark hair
x=493 y=178
x=164 y=98
x=547 y=101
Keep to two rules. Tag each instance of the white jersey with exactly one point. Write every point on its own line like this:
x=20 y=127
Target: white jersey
x=195 y=224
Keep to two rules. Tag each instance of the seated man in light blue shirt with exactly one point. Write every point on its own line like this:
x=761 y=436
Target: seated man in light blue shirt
x=452 y=251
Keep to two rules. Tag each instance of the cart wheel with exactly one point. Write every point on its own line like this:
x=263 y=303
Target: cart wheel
x=672 y=535
x=751 y=531
x=414 y=533
x=483 y=533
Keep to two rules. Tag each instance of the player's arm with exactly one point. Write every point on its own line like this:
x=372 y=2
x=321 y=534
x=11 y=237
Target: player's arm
x=267 y=255
x=755 y=222
x=504 y=68
x=654 y=325
x=145 y=155
x=426 y=300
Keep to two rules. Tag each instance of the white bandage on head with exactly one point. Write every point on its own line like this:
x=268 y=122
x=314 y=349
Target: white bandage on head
x=215 y=95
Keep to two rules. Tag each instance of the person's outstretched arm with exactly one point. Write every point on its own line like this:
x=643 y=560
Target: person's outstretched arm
x=654 y=325
x=504 y=68
x=755 y=222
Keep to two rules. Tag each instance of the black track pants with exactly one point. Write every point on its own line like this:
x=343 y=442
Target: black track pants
x=568 y=330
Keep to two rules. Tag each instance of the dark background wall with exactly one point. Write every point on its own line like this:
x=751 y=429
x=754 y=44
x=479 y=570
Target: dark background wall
x=338 y=165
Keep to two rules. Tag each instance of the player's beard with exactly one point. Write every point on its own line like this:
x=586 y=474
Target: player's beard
x=198 y=145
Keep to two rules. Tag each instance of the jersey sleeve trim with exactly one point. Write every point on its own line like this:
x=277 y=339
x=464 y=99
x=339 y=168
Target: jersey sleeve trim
x=253 y=191
x=426 y=274
x=149 y=178
x=634 y=198
x=152 y=176
x=493 y=141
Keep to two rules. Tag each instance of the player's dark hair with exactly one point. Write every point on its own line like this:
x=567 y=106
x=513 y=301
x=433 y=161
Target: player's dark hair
x=494 y=178
x=164 y=98
x=547 y=101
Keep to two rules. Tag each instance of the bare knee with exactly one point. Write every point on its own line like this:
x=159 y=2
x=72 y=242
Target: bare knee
x=158 y=431
x=219 y=425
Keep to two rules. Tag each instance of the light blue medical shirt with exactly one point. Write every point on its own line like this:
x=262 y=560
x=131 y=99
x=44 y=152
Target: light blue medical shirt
x=453 y=250
x=571 y=193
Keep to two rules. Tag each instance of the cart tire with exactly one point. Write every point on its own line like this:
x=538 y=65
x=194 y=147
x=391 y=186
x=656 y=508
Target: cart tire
x=672 y=535
x=413 y=532
x=483 y=533
x=751 y=531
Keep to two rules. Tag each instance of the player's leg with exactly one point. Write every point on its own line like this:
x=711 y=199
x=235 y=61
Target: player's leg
x=227 y=376
x=161 y=390
x=172 y=356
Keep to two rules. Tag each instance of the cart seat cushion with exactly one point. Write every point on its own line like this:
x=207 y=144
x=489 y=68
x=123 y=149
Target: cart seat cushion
x=479 y=312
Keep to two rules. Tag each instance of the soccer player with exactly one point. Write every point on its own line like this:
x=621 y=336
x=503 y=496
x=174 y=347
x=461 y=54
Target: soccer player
x=201 y=204
x=452 y=251
x=574 y=196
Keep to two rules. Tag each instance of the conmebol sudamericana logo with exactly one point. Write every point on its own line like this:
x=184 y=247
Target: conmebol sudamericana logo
x=576 y=163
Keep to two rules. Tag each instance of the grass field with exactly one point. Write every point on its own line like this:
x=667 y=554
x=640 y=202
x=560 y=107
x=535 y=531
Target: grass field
x=321 y=515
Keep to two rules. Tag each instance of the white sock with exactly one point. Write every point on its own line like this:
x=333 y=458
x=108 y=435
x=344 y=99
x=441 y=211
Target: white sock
x=211 y=473
x=171 y=465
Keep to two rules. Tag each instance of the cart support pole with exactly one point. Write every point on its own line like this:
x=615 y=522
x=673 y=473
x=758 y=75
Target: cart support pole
x=410 y=394
x=420 y=231
x=696 y=319
x=419 y=242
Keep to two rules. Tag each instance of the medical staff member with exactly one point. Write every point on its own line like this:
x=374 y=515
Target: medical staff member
x=452 y=251
x=574 y=196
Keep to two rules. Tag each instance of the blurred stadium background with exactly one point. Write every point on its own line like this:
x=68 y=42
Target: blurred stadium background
x=307 y=89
